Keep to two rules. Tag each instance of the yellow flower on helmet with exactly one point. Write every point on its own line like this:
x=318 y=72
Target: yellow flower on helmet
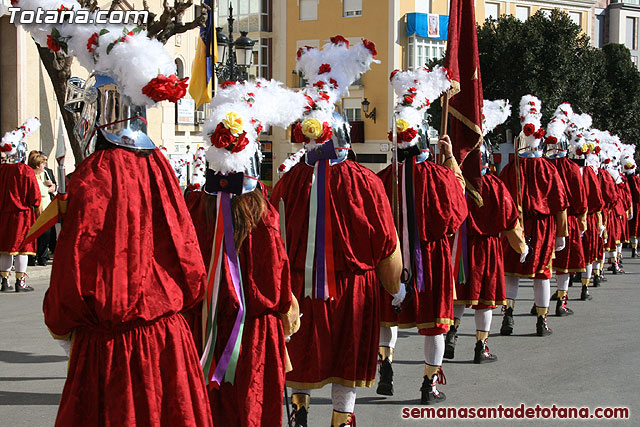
x=233 y=122
x=591 y=146
x=311 y=128
x=402 y=125
x=629 y=165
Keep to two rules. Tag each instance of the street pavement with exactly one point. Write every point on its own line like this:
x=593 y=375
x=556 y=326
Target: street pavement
x=591 y=360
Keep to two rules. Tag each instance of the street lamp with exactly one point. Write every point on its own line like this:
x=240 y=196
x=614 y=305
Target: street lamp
x=365 y=109
x=236 y=54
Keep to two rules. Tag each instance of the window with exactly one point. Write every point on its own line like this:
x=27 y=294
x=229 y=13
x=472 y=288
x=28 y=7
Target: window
x=352 y=8
x=422 y=50
x=522 y=13
x=261 y=63
x=576 y=17
x=308 y=10
x=422 y=6
x=631 y=40
x=491 y=11
x=250 y=15
x=352 y=109
x=546 y=12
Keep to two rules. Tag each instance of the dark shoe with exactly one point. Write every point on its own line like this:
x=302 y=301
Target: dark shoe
x=6 y=287
x=430 y=395
x=450 y=342
x=507 y=322
x=533 y=310
x=299 y=416
x=21 y=285
x=554 y=297
x=615 y=268
x=602 y=278
x=385 y=384
x=634 y=253
x=542 y=329
x=31 y=262
x=584 y=295
x=562 y=309
x=596 y=281
x=481 y=353
x=43 y=262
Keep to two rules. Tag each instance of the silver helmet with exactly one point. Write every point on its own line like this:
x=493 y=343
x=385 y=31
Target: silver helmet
x=102 y=105
x=423 y=143
x=556 y=148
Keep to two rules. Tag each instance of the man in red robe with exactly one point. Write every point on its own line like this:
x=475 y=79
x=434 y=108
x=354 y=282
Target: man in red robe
x=592 y=242
x=539 y=188
x=484 y=290
x=633 y=181
x=340 y=238
x=127 y=264
x=19 y=200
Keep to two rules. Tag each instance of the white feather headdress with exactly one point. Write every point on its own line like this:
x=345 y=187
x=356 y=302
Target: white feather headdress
x=416 y=90
x=12 y=139
x=494 y=113
x=530 y=119
x=329 y=72
x=239 y=112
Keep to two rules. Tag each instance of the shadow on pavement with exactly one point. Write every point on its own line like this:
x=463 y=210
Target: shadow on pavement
x=19 y=398
x=22 y=357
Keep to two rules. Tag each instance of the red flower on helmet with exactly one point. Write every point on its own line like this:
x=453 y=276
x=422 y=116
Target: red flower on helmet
x=310 y=103
x=339 y=39
x=371 y=46
x=552 y=140
x=92 y=43
x=528 y=129
x=327 y=132
x=320 y=84
x=393 y=73
x=579 y=152
x=223 y=138
x=324 y=68
x=407 y=135
x=323 y=96
x=52 y=43
x=408 y=99
x=227 y=83
x=163 y=88
x=596 y=150
x=333 y=82
x=539 y=133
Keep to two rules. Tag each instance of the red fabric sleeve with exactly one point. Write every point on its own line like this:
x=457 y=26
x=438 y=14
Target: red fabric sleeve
x=594 y=192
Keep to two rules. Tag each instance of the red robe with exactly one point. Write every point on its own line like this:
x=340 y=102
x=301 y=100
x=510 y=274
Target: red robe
x=612 y=202
x=338 y=338
x=592 y=243
x=543 y=196
x=484 y=287
x=625 y=204
x=19 y=195
x=440 y=209
x=255 y=398
x=634 y=189
x=571 y=259
x=127 y=263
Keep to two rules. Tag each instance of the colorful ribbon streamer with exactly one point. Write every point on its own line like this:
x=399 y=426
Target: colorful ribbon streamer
x=223 y=244
x=319 y=238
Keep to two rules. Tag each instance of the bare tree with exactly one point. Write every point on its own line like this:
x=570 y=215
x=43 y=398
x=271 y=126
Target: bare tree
x=162 y=27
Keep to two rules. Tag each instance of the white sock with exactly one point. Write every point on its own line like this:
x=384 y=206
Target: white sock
x=434 y=349
x=6 y=261
x=458 y=312
x=619 y=250
x=541 y=292
x=483 y=319
x=588 y=271
x=343 y=398
x=21 y=263
x=612 y=255
x=597 y=266
x=388 y=336
x=562 y=282
x=511 y=284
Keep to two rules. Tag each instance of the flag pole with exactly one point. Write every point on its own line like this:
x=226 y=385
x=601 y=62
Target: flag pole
x=444 y=121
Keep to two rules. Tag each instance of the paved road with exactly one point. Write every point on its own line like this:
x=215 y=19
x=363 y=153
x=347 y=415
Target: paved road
x=591 y=360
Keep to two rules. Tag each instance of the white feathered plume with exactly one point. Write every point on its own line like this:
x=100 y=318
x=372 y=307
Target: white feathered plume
x=494 y=113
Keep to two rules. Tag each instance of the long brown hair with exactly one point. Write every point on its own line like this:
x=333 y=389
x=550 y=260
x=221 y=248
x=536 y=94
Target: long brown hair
x=246 y=209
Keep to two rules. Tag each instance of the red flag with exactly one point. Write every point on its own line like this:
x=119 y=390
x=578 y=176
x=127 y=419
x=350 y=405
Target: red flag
x=465 y=106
